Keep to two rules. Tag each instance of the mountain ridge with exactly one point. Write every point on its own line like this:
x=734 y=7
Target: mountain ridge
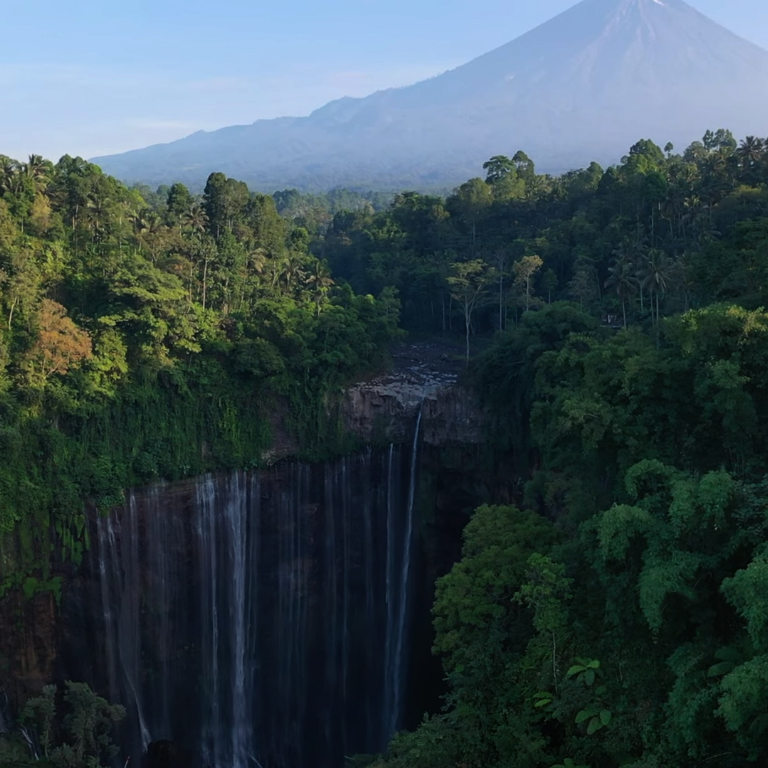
x=582 y=86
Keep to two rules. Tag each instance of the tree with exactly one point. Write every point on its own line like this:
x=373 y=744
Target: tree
x=215 y=204
x=549 y=283
x=750 y=151
x=37 y=169
x=498 y=168
x=480 y=627
x=469 y=281
x=320 y=281
x=645 y=148
x=8 y=170
x=99 y=210
x=720 y=139
x=524 y=270
x=500 y=257
x=60 y=345
x=468 y=204
x=623 y=280
x=195 y=219
x=526 y=169
x=225 y=203
x=80 y=735
x=584 y=286
x=655 y=275
x=546 y=590
x=179 y=201
x=149 y=228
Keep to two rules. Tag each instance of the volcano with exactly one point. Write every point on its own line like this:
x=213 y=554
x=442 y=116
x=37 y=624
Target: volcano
x=584 y=86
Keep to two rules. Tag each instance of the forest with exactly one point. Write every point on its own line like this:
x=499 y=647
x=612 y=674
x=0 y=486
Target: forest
x=152 y=338
x=613 y=324
x=618 y=615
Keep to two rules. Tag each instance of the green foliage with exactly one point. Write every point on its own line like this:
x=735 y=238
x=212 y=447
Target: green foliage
x=154 y=337
x=481 y=631
x=153 y=334
x=631 y=244
x=668 y=589
x=635 y=633
x=69 y=730
x=742 y=704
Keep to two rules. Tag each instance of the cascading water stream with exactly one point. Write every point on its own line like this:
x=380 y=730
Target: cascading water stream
x=235 y=518
x=262 y=618
x=391 y=584
x=120 y=568
x=398 y=588
x=209 y=612
x=405 y=581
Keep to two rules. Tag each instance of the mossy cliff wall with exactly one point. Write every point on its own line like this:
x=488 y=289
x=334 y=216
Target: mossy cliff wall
x=328 y=542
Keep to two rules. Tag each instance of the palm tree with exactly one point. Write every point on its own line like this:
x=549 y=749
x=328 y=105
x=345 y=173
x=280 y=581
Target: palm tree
x=291 y=269
x=622 y=278
x=195 y=219
x=750 y=151
x=696 y=210
x=257 y=261
x=631 y=255
x=8 y=170
x=673 y=206
x=681 y=276
x=141 y=221
x=96 y=212
x=36 y=169
x=319 y=279
x=535 y=187
x=148 y=226
x=655 y=275
x=719 y=176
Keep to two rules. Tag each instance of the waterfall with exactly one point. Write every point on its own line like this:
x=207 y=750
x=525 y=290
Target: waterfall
x=398 y=588
x=405 y=584
x=222 y=532
x=261 y=619
x=390 y=682
x=120 y=571
x=209 y=612
x=237 y=521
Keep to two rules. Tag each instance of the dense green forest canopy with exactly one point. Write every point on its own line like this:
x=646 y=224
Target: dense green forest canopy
x=147 y=337
x=657 y=234
x=617 y=616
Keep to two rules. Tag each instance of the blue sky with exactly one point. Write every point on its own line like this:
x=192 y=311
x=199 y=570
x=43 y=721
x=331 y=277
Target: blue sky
x=93 y=77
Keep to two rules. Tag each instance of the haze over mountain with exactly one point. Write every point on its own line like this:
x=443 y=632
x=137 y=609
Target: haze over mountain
x=584 y=86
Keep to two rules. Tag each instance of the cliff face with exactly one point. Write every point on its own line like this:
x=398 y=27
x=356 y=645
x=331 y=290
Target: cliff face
x=258 y=613
x=226 y=612
x=424 y=380
x=28 y=642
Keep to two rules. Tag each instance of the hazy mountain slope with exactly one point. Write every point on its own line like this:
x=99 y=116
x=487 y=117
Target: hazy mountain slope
x=583 y=86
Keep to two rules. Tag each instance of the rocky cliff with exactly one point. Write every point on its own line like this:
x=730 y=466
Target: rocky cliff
x=424 y=379
x=281 y=555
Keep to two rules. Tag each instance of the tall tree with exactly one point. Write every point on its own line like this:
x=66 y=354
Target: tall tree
x=524 y=270
x=469 y=281
x=623 y=280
